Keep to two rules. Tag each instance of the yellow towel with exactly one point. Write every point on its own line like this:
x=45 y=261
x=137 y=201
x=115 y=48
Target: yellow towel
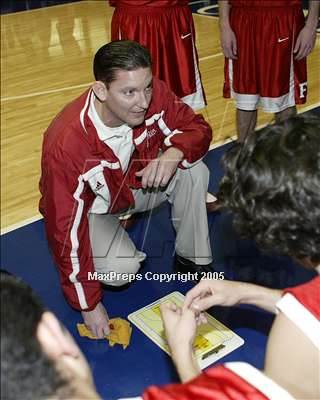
x=120 y=332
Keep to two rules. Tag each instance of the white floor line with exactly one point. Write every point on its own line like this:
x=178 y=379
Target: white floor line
x=21 y=224
x=205 y=16
x=24 y=96
x=195 y=2
x=212 y=56
x=308 y=108
x=215 y=145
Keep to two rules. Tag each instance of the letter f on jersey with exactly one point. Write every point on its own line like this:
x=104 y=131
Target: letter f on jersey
x=303 y=89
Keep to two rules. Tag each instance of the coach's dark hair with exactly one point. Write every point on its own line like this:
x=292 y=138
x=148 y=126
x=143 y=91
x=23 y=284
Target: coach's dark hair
x=272 y=185
x=120 y=54
x=26 y=372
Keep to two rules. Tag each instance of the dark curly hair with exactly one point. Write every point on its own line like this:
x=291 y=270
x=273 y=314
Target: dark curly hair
x=272 y=186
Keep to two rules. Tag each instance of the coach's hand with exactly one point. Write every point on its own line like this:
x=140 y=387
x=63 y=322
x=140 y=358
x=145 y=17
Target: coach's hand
x=97 y=321
x=228 y=42
x=305 y=43
x=159 y=171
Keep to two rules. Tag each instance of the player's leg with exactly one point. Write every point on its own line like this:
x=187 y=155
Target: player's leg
x=241 y=74
x=112 y=249
x=285 y=114
x=246 y=123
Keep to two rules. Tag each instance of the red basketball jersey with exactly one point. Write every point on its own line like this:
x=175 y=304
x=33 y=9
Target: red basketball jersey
x=149 y=3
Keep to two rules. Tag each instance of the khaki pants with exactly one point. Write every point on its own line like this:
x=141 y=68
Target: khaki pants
x=112 y=248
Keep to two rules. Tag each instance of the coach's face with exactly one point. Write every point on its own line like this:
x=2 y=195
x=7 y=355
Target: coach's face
x=127 y=98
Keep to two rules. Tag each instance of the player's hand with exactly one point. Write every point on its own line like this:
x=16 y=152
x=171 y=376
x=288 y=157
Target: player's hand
x=180 y=329
x=210 y=293
x=60 y=346
x=180 y=326
x=97 y=321
x=305 y=43
x=229 y=43
x=159 y=171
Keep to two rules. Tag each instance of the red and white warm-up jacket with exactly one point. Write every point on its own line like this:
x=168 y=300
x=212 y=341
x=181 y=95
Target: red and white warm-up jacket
x=239 y=380
x=81 y=174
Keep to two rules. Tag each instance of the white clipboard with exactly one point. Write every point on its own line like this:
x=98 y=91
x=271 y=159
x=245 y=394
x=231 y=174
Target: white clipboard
x=213 y=341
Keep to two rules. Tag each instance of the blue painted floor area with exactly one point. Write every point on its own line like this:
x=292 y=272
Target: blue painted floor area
x=211 y=8
x=118 y=372
x=12 y=6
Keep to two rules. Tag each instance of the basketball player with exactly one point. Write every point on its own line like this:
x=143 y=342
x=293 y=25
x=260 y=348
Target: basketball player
x=266 y=43
x=272 y=185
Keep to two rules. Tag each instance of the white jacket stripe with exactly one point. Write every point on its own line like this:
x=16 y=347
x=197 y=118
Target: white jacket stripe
x=259 y=380
x=75 y=245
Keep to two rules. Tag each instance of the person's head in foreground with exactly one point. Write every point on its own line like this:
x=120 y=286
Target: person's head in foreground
x=39 y=358
x=272 y=186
